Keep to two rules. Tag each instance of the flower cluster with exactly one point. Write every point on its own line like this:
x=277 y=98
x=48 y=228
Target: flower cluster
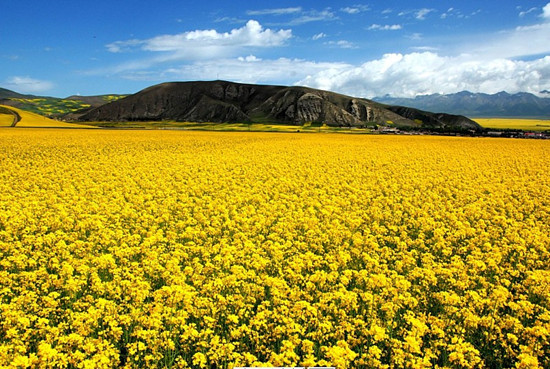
x=165 y=249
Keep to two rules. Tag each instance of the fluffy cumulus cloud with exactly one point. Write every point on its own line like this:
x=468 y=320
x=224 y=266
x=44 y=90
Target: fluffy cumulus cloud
x=249 y=69
x=427 y=72
x=27 y=85
x=396 y=74
x=208 y=43
x=502 y=61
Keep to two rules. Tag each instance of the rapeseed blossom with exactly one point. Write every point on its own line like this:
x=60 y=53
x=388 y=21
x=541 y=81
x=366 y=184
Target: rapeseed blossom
x=164 y=249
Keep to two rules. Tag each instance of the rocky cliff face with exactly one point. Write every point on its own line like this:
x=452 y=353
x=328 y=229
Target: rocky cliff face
x=221 y=101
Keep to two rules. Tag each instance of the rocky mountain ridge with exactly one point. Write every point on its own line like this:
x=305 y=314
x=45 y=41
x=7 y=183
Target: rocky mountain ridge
x=502 y=104
x=222 y=101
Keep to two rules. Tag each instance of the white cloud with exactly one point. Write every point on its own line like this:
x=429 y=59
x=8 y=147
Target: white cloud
x=249 y=59
x=525 y=12
x=319 y=36
x=386 y=27
x=490 y=66
x=424 y=48
x=415 y=36
x=350 y=10
x=487 y=66
x=27 y=85
x=122 y=46
x=230 y=20
x=313 y=16
x=207 y=43
x=422 y=13
x=452 y=12
x=519 y=42
x=356 y=9
x=546 y=11
x=248 y=69
x=278 y=11
x=428 y=72
x=396 y=74
x=474 y=13
x=192 y=46
x=297 y=16
x=342 y=44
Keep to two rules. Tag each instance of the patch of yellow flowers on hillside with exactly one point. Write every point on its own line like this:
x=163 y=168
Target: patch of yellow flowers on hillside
x=142 y=249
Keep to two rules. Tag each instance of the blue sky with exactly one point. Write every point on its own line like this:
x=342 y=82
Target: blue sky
x=402 y=48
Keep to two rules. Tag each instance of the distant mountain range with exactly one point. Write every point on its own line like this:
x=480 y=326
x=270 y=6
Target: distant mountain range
x=470 y=104
x=465 y=103
x=222 y=101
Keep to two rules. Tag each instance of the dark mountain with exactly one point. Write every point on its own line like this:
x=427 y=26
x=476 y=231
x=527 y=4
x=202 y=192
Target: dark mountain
x=221 y=101
x=8 y=94
x=501 y=104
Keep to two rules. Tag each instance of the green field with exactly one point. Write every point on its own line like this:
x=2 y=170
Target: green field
x=515 y=123
x=52 y=107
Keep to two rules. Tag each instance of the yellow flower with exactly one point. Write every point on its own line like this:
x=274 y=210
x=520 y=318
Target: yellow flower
x=192 y=249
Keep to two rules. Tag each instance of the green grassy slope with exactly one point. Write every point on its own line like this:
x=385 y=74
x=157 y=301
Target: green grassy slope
x=56 y=107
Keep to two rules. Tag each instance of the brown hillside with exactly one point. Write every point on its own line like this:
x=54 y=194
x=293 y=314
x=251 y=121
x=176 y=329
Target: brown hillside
x=221 y=101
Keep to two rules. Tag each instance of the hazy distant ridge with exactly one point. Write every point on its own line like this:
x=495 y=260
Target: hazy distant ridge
x=501 y=104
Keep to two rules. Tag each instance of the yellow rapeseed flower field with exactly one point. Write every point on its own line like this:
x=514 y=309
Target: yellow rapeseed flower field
x=6 y=120
x=515 y=123
x=29 y=119
x=157 y=249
